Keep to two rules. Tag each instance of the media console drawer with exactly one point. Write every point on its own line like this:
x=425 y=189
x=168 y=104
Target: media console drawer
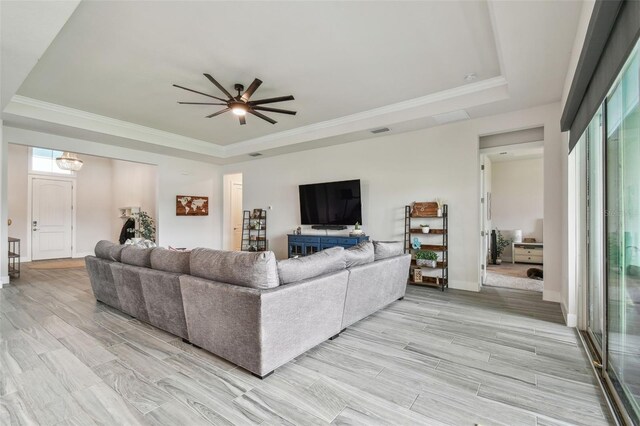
x=528 y=253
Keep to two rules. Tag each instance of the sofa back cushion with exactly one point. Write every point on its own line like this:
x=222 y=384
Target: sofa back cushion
x=132 y=255
x=385 y=249
x=247 y=269
x=170 y=260
x=108 y=250
x=302 y=268
x=360 y=254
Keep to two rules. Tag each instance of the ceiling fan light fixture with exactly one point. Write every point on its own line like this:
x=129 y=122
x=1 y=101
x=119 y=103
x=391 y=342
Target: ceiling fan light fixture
x=69 y=161
x=239 y=109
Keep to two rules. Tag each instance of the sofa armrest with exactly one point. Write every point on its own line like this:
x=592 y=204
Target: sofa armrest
x=261 y=330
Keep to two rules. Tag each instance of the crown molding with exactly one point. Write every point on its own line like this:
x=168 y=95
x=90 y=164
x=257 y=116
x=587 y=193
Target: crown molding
x=59 y=114
x=466 y=96
x=482 y=92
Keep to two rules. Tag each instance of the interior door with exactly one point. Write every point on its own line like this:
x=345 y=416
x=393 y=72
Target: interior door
x=236 y=214
x=51 y=215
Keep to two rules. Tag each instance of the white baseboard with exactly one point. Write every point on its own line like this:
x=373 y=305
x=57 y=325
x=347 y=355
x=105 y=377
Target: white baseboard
x=570 y=319
x=464 y=285
x=551 y=296
x=85 y=254
x=4 y=280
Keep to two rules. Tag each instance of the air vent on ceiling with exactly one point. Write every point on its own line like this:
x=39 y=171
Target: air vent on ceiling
x=255 y=154
x=450 y=117
x=380 y=130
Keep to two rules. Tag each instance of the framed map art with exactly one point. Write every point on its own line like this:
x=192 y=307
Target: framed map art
x=192 y=205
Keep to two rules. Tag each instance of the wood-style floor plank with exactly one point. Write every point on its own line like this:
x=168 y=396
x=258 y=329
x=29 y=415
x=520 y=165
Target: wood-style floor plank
x=498 y=357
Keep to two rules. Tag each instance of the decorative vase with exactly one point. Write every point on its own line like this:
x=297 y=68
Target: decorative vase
x=421 y=262
x=432 y=263
x=498 y=261
x=439 y=212
x=425 y=229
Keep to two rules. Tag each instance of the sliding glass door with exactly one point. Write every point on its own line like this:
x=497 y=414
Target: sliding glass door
x=595 y=230
x=622 y=359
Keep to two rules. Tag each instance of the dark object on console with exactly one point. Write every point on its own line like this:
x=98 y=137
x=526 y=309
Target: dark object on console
x=535 y=273
x=304 y=245
x=126 y=234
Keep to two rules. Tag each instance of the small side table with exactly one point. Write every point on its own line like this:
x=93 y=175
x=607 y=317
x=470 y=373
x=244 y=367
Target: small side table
x=14 y=257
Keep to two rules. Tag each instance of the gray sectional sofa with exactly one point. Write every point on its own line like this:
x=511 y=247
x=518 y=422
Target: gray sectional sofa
x=248 y=308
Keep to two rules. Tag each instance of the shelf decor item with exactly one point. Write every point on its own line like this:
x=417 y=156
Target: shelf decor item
x=417 y=274
x=424 y=209
x=431 y=249
x=425 y=229
x=192 y=205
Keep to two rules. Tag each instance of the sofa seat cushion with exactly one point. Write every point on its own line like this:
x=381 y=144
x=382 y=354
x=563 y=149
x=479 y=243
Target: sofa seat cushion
x=303 y=268
x=108 y=250
x=170 y=260
x=247 y=269
x=360 y=254
x=386 y=249
x=135 y=256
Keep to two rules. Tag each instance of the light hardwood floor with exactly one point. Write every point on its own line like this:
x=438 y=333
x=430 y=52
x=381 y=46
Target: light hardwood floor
x=498 y=357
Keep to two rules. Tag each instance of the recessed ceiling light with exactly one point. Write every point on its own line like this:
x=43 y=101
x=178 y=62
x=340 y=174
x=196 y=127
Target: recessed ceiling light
x=470 y=77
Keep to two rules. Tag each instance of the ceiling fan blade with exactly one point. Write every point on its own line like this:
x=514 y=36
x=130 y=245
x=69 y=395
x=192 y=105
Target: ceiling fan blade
x=219 y=112
x=200 y=93
x=281 y=111
x=271 y=100
x=243 y=120
x=264 y=117
x=218 y=85
x=200 y=103
x=252 y=88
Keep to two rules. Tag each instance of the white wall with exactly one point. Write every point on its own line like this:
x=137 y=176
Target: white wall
x=396 y=170
x=518 y=197
x=17 y=195
x=132 y=185
x=175 y=176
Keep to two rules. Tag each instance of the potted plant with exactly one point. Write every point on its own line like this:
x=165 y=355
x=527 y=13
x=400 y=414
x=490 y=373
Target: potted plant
x=501 y=244
x=146 y=229
x=426 y=258
x=425 y=229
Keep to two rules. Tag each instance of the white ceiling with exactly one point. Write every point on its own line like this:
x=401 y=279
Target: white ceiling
x=351 y=66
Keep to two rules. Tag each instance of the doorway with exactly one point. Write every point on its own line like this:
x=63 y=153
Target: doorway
x=51 y=218
x=232 y=196
x=512 y=209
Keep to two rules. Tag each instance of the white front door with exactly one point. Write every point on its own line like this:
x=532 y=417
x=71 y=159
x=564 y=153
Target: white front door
x=51 y=216
x=236 y=214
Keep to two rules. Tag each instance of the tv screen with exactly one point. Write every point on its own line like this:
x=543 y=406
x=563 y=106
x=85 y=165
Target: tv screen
x=331 y=203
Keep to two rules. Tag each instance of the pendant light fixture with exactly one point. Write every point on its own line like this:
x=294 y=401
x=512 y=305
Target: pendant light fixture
x=69 y=161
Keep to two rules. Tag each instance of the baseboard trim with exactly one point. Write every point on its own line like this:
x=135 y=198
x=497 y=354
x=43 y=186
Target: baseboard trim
x=570 y=319
x=551 y=296
x=4 y=280
x=85 y=254
x=464 y=285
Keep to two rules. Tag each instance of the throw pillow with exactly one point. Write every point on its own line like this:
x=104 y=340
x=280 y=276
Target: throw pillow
x=385 y=249
x=303 y=268
x=360 y=254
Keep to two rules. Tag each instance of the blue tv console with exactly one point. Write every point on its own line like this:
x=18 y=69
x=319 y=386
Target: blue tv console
x=304 y=245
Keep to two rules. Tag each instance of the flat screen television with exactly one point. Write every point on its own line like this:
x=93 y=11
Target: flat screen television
x=331 y=203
